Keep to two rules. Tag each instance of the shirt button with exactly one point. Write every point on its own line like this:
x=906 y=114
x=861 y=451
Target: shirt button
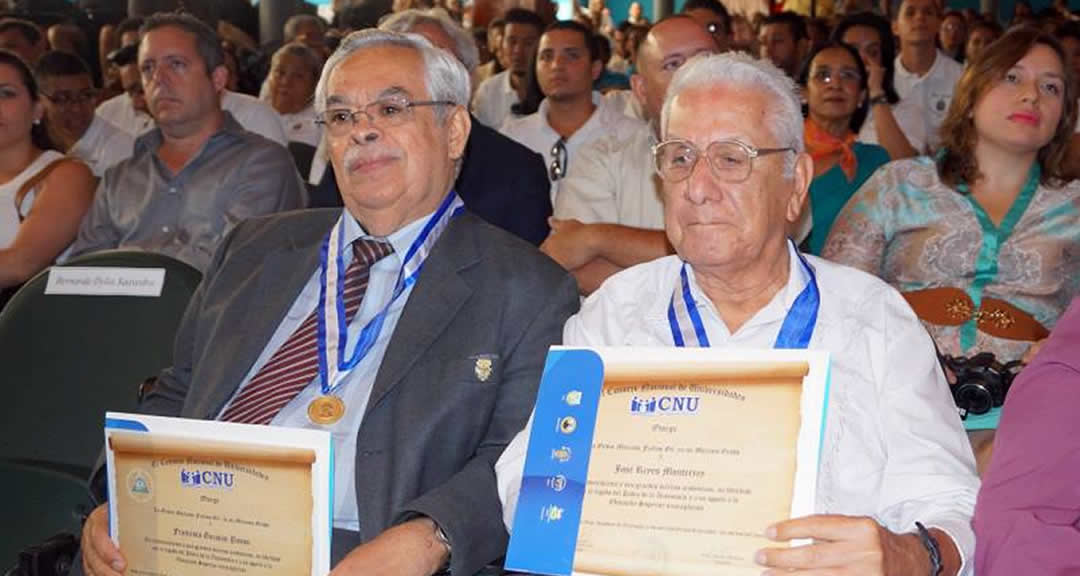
x=165 y=229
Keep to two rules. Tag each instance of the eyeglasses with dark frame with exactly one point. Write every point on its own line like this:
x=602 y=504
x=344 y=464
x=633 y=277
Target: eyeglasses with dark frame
x=730 y=160
x=67 y=98
x=382 y=113
x=560 y=161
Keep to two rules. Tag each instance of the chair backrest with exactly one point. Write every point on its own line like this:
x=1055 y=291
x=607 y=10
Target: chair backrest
x=67 y=359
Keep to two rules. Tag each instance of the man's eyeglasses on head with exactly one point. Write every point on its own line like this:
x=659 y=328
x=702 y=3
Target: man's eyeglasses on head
x=730 y=160
x=382 y=113
x=560 y=162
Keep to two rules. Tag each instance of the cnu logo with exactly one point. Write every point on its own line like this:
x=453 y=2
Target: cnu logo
x=206 y=478
x=664 y=405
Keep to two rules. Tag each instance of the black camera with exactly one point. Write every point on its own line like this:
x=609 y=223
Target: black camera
x=981 y=381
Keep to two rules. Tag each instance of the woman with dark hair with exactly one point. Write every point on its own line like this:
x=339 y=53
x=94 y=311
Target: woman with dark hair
x=872 y=36
x=834 y=81
x=43 y=194
x=984 y=239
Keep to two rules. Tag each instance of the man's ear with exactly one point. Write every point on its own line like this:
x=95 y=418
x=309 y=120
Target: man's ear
x=637 y=86
x=220 y=78
x=804 y=174
x=458 y=125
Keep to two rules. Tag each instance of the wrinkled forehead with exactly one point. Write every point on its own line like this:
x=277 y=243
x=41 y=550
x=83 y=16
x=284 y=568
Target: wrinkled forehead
x=375 y=73
x=719 y=111
x=167 y=41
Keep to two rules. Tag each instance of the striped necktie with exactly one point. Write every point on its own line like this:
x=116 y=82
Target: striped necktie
x=296 y=362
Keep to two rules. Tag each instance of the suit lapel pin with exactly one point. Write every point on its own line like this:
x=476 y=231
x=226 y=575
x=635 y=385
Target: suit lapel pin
x=483 y=369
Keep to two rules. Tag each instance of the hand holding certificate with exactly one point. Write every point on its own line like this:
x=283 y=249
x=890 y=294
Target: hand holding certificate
x=667 y=461
x=184 y=500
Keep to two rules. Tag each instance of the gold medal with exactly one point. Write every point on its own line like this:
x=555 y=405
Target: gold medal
x=325 y=410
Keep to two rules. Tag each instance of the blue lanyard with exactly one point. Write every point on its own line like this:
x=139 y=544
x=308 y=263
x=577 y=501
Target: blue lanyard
x=334 y=363
x=795 y=332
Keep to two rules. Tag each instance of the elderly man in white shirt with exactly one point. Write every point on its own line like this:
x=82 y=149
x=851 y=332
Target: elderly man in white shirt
x=894 y=458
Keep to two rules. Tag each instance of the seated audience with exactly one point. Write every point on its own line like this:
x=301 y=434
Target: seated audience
x=871 y=35
x=783 y=41
x=1027 y=511
x=24 y=38
x=834 y=82
x=925 y=76
x=199 y=173
x=307 y=29
x=893 y=452
x=416 y=492
x=294 y=71
x=571 y=115
x=984 y=240
x=609 y=214
x=953 y=35
x=43 y=195
x=743 y=37
x=982 y=33
x=69 y=97
x=495 y=96
x=493 y=66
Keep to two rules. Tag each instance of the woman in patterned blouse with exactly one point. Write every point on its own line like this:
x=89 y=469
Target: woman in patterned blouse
x=984 y=239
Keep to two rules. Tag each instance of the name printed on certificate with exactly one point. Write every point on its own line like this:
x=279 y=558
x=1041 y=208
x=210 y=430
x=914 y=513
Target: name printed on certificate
x=186 y=503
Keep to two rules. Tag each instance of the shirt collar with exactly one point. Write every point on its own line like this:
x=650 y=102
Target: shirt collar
x=597 y=116
x=901 y=70
x=777 y=308
x=401 y=239
x=153 y=139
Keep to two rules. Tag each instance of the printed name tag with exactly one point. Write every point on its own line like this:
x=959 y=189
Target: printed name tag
x=91 y=281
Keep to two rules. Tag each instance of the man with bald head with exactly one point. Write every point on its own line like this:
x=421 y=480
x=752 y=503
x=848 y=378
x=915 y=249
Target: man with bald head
x=609 y=214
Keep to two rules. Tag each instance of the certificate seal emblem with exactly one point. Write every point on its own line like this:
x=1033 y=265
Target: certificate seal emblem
x=139 y=486
x=326 y=410
x=483 y=369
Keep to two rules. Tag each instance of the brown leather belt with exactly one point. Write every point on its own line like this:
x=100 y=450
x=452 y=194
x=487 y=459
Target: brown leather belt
x=949 y=306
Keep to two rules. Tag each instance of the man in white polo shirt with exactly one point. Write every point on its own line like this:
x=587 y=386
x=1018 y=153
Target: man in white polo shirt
x=925 y=76
x=493 y=98
x=571 y=115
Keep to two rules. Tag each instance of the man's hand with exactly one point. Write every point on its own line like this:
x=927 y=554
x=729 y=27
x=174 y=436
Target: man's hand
x=844 y=545
x=408 y=549
x=568 y=244
x=99 y=555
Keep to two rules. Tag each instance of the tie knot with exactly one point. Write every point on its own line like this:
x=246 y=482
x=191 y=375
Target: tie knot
x=368 y=251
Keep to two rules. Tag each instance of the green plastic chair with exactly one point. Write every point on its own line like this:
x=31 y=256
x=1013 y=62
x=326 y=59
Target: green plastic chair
x=64 y=361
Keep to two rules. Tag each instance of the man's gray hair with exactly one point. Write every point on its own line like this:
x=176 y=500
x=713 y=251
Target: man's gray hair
x=740 y=70
x=407 y=20
x=294 y=22
x=444 y=76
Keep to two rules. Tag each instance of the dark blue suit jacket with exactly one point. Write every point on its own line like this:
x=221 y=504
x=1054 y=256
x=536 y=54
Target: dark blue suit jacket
x=501 y=181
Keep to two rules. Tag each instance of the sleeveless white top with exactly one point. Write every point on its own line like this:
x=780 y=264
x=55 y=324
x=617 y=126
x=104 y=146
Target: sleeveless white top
x=9 y=212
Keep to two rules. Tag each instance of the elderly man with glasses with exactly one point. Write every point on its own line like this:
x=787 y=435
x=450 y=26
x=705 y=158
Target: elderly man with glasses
x=897 y=483
x=446 y=326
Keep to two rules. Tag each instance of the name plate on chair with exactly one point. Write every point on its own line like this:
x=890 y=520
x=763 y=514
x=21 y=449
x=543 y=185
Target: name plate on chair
x=218 y=498
x=667 y=461
x=105 y=281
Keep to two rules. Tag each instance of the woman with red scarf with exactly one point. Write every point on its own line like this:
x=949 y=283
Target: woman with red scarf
x=834 y=80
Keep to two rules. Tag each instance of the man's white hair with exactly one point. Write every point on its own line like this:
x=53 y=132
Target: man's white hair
x=784 y=118
x=444 y=76
x=407 y=20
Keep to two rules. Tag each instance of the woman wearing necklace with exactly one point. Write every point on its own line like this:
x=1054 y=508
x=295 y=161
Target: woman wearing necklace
x=834 y=81
x=984 y=239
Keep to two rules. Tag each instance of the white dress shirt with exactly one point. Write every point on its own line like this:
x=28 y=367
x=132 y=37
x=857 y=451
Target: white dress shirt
x=535 y=132
x=613 y=181
x=929 y=97
x=301 y=127
x=894 y=448
x=355 y=387
x=252 y=114
x=103 y=145
x=909 y=119
x=626 y=101
x=493 y=98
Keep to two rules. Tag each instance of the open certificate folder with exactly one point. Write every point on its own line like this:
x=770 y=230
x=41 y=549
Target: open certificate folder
x=218 y=498
x=667 y=461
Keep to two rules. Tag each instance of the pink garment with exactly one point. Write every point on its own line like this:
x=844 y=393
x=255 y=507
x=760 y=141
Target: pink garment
x=1027 y=518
